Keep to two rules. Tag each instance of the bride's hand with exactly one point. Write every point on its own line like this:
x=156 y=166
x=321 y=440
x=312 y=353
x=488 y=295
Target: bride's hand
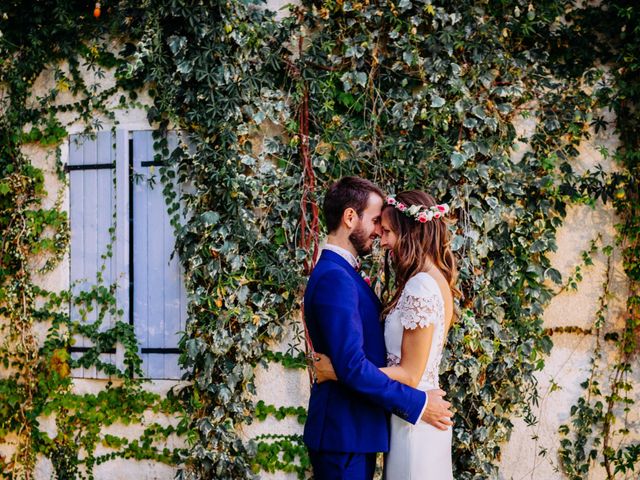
x=323 y=368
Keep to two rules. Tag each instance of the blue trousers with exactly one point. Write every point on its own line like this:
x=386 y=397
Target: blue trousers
x=342 y=466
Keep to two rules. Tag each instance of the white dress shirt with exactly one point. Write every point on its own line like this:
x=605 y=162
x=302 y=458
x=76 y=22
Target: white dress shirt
x=344 y=253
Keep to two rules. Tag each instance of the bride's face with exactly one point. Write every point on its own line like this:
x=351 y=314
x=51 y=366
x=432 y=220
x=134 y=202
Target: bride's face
x=388 y=238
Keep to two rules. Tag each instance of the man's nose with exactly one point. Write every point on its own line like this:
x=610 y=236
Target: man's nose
x=377 y=231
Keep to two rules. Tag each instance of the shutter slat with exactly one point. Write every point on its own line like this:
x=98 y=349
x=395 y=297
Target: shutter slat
x=122 y=246
x=140 y=241
x=176 y=305
x=156 y=267
x=90 y=227
x=76 y=246
x=104 y=215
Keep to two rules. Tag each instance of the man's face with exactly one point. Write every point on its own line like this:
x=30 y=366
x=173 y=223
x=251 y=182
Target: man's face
x=367 y=228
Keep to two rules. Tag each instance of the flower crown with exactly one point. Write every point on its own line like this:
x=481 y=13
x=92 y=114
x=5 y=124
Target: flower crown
x=420 y=213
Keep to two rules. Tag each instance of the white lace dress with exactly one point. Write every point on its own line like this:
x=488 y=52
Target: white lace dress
x=418 y=452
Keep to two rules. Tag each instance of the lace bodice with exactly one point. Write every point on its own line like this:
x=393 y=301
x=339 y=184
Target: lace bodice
x=420 y=305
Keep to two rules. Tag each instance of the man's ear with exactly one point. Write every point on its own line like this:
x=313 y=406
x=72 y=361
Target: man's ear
x=349 y=217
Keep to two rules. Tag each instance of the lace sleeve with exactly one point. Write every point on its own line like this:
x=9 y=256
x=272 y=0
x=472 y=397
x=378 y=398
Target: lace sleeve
x=420 y=310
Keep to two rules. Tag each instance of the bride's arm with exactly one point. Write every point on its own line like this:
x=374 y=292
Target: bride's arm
x=416 y=345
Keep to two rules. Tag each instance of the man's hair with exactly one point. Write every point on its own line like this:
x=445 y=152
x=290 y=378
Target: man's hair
x=348 y=192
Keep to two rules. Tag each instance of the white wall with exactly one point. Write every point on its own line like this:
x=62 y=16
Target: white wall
x=570 y=360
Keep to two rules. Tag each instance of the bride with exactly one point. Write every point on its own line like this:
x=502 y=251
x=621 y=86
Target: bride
x=416 y=322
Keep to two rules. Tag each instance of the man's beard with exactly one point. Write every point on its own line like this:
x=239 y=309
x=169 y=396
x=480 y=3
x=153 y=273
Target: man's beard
x=359 y=240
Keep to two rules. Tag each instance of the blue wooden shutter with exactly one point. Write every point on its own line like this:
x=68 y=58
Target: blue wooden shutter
x=91 y=168
x=159 y=298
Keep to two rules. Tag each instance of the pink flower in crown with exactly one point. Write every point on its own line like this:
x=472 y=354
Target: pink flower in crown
x=437 y=215
x=391 y=201
x=442 y=208
x=401 y=206
x=422 y=218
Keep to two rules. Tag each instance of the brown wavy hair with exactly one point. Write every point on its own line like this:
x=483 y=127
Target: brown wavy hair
x=419 y=245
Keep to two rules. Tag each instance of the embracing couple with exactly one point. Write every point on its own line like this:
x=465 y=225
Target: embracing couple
x=372 y=360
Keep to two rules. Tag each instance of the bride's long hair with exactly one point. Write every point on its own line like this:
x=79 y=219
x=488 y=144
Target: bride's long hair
x=418 y=245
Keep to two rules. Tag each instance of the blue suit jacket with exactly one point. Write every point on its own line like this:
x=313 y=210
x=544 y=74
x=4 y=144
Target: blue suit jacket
x=343 y=318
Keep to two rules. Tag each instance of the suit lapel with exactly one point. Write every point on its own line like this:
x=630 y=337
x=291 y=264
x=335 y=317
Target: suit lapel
x=335 y=258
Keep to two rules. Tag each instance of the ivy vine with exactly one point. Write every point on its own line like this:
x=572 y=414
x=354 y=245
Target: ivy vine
x=599 y=426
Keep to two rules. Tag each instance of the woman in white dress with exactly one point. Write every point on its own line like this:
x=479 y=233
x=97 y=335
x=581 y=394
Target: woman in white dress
x=417 y=319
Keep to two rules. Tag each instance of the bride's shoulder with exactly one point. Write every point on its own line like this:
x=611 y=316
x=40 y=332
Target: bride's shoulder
x=422 y=284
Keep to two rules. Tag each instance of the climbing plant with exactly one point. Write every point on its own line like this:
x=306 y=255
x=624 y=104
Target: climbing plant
x=599 y=427
x=425 y=95
x=412 y=94
x=217 y=72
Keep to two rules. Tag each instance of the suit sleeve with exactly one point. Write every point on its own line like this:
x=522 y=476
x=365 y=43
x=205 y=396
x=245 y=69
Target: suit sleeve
x=335 y=306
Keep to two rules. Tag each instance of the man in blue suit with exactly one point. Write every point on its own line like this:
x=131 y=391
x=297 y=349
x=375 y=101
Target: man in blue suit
x=348 y=420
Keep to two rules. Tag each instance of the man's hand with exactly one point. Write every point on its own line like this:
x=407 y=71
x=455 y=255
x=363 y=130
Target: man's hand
x=437 y=412
x=323 y=368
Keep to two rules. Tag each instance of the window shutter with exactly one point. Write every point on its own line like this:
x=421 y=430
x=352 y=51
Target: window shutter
x=91 y=169
x=159 y=298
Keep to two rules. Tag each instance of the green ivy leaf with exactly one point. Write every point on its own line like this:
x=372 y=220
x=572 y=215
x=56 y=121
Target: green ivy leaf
x=457 y=159
x=437 y=101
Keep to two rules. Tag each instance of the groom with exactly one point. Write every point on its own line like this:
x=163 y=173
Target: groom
x=348 y=420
